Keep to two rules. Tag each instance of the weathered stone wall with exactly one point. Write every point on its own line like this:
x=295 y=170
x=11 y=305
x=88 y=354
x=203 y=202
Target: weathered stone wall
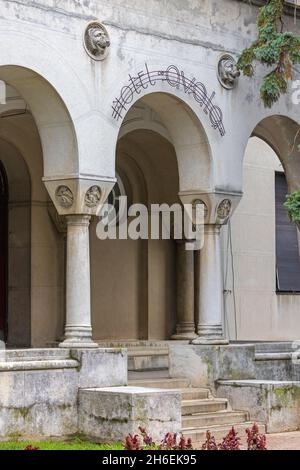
x=39 y=388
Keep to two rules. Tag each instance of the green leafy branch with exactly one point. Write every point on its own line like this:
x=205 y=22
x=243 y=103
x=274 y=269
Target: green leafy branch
x=272 y=48
x=292 y=205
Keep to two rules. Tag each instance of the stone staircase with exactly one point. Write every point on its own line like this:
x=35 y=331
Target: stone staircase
x=201 y=411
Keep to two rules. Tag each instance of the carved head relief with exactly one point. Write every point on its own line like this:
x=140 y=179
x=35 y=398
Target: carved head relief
x=92 y=196
x=96 y=40
x=228 y=72
x=64 y=196
x=224 y=209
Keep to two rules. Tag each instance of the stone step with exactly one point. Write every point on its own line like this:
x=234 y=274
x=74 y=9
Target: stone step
x=46 y=364
x=141 y=344
x=192 y=393
x=143 y=360
x=198 y=435
x=190 y=407
x=274 y=347
x=187 y=393
x=213 y=419
x=137 y=352
x=161 y=383
x=277 y=356
x=16 y=355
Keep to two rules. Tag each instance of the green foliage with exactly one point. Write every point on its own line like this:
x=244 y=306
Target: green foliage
x=75 y=444
x=272 y=48
x=292 y=204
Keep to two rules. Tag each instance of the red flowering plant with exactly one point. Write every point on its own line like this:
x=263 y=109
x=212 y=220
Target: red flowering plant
x=148 y=441
x=256 y=440
x=133 y=442
x=231 y=441
x=173 y=441
x=210 y=443
x=30 y=447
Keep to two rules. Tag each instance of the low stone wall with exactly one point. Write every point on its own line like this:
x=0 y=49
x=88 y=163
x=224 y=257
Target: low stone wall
x=109 y=414
x=204 y=365
x=39 y=388
x=274 y=403
x=261 y=379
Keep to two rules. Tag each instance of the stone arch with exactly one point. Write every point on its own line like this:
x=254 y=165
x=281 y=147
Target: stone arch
x=179 y=124
x=51 y=117
x=283 y=135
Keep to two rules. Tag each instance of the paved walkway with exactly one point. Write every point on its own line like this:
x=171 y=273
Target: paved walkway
x=284 y=441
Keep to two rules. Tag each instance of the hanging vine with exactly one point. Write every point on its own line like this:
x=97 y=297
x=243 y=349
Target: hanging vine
x=273 y=48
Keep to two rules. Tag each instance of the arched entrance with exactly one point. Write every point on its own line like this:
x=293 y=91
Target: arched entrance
x=261 y=253
x=32 y=283
x=162 y=157
x=134 y=281
x=3 y=251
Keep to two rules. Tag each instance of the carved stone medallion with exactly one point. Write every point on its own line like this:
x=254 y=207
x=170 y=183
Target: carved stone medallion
x=227 y=71
x=64 y=196
x=92 y=196
x=96 y=40
x=224 y=209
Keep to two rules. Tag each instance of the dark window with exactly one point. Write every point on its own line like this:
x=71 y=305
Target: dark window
x=287 y=251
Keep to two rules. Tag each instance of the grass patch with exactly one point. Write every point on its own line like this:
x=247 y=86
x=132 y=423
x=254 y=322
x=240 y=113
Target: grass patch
x=75 y=444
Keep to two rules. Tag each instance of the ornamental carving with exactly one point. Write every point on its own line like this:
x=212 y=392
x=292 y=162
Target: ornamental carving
x=96 y=40
x=228 y=72
x=64 y=196
x=92 y=196
x=224 y=209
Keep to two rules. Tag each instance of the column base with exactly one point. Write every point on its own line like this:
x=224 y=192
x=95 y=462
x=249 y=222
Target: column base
x=76 y=344
x=183 y=336
x=210 y=334
x=78 y=337
x=202 y=340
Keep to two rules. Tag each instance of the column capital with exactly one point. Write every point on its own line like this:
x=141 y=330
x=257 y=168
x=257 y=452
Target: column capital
x=78 y=195
x=219 y=205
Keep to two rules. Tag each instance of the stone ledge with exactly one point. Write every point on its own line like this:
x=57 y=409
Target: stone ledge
x=109 y=414
x=38 y=365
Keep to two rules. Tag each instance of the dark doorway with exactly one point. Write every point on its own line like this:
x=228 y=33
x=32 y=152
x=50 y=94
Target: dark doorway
x=3 y=251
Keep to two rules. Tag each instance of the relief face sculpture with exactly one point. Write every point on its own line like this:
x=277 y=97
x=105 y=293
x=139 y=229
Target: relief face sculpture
x=96 y=41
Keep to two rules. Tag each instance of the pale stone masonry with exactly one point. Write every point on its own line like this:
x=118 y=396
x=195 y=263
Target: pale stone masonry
x=143 y=99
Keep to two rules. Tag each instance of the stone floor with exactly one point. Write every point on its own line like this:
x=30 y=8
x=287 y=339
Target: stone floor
x=284 y=441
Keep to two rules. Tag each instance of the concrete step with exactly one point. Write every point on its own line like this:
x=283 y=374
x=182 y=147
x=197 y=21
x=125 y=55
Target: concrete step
x=276 y=356
x=274 y=347
x=161 y=383
x=148 y=374
x=148 y=359
x=47 y=364
x=198 y=435
x=209 y=405
x=192 y=393
x=21 y=355
x=214 y=419
x=133 y=344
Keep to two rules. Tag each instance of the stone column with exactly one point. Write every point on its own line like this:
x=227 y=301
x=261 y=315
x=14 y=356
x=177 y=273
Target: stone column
x=210 y=284
x=78 y=329
x=185 y=328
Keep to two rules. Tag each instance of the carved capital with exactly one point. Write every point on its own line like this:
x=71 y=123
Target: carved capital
x=72 y=196
x=219 y=206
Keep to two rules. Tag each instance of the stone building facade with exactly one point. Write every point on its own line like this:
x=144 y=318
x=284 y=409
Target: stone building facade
x=132 y=97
